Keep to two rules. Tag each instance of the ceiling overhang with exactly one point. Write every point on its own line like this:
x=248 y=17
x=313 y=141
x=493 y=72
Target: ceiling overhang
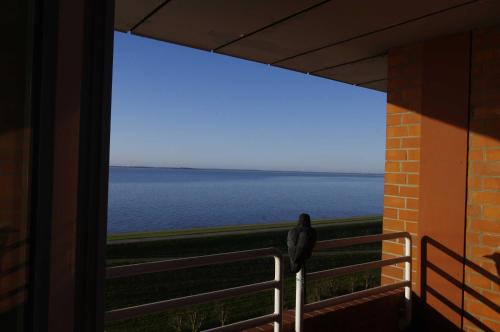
x=342 y=40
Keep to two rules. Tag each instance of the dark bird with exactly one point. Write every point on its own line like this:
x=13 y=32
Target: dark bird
x=300 y=242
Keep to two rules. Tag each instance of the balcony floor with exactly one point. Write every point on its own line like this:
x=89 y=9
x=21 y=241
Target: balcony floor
x=381 y=312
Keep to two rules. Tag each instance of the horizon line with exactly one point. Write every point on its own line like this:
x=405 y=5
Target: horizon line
x=245 y=169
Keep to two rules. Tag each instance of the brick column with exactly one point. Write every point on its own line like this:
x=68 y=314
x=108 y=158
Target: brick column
x=482 y=291
x=442 y=176
x=402 y=166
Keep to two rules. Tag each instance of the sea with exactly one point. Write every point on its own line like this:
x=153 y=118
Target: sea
x=153 y=199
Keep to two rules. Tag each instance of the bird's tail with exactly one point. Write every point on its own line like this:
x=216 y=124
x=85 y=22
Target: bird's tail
x=295 y=266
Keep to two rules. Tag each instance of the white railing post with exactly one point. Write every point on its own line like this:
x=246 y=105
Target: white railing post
x=299 y=300
x=302 y=276
x=278 y=293
x=190 y=262
x=408 y=264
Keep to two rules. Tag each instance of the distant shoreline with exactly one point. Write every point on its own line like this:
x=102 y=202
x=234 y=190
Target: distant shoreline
x=248 y=170
x=140 y=236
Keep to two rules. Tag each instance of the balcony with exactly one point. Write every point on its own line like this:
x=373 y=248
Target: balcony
x=439 y=62
x=315 y=316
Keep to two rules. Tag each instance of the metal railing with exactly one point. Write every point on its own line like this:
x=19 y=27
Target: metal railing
x=302 y=278
x=277 y=284
x=183 y=263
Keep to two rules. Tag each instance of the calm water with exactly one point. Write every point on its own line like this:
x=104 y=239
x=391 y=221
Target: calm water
x=157 y=199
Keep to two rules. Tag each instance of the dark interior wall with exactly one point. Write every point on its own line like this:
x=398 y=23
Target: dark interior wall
x=65 y=165
x=79 y=165
x=56 y=61
x=15 y=161
x=72 y=153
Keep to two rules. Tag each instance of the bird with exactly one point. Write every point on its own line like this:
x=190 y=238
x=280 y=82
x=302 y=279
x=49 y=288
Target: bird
x=300 y=242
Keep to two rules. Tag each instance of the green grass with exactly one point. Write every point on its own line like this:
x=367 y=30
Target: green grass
x=159 y=286
x=224 y=229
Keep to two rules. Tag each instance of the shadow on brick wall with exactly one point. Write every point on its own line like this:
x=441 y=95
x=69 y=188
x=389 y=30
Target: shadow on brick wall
x=432 y=315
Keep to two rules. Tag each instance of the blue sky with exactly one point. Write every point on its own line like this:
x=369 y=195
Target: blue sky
x=179 y=107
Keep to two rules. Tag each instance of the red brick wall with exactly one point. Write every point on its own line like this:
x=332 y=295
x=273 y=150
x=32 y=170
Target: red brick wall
x=402 y=166
x=482 y=291
x=443 y=185
x=404 y=177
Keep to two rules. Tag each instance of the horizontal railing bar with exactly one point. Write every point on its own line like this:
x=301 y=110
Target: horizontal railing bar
x=340 y=271
x=246 y=324
x=344 y=242
x=149 y=308
x=189 y=262
x=354 y=296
